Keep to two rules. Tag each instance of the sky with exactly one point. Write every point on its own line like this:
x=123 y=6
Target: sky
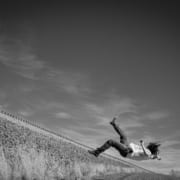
x=72 y=66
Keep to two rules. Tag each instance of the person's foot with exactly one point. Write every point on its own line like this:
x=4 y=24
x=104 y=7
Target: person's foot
x=113 y=121
x=93 y=152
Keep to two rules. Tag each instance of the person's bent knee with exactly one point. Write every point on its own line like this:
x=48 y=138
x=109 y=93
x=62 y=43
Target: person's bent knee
x=110 y=141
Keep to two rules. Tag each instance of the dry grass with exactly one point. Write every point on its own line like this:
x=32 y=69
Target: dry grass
x=25 y=154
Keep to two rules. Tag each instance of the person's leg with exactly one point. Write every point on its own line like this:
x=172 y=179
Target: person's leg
x=122 y=148
x=123 y=137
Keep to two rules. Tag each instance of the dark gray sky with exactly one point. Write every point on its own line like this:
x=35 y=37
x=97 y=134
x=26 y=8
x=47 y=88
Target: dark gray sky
x=72 y=66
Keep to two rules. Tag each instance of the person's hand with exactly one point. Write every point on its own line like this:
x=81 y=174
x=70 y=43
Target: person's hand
x=115 y=117
x=158 y=158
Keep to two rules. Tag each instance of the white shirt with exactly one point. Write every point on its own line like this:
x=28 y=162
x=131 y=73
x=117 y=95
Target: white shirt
x=138 y=153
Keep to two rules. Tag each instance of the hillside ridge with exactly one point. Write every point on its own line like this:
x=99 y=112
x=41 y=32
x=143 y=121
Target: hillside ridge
x=22 y=121
x=22 y=139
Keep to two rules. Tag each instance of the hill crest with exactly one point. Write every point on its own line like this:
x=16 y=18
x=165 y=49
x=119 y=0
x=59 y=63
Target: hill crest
x=52 y=154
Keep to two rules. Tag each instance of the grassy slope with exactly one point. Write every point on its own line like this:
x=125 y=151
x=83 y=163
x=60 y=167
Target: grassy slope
x=26 y=154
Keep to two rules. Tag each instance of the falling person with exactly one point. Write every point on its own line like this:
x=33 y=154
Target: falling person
x=129 y=150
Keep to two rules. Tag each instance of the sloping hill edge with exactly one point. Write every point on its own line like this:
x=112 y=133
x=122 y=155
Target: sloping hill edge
x=45 y=131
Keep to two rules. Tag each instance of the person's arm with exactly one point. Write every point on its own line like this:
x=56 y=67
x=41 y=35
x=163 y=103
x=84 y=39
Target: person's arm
x=145 y=151
x=151 y=156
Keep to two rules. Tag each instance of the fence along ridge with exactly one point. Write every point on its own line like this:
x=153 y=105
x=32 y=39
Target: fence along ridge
x=33 y=123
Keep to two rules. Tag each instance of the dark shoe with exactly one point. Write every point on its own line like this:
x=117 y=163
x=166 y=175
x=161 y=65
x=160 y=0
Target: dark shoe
x=93 y=152
x=113 y=121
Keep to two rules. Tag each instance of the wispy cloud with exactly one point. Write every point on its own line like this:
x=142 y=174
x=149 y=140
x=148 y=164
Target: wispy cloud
x=20 y=58
x=170 y=143
x=63 y=115
x=156 y=115
x=112 y=106
x=131 y=116
x=26 y=113
x=3 y=102
x=103 y=113
x=75 y=83
x=26 y=88
x=94 y=109
x=174 y=135
x=43 y=105
x=2 y=95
